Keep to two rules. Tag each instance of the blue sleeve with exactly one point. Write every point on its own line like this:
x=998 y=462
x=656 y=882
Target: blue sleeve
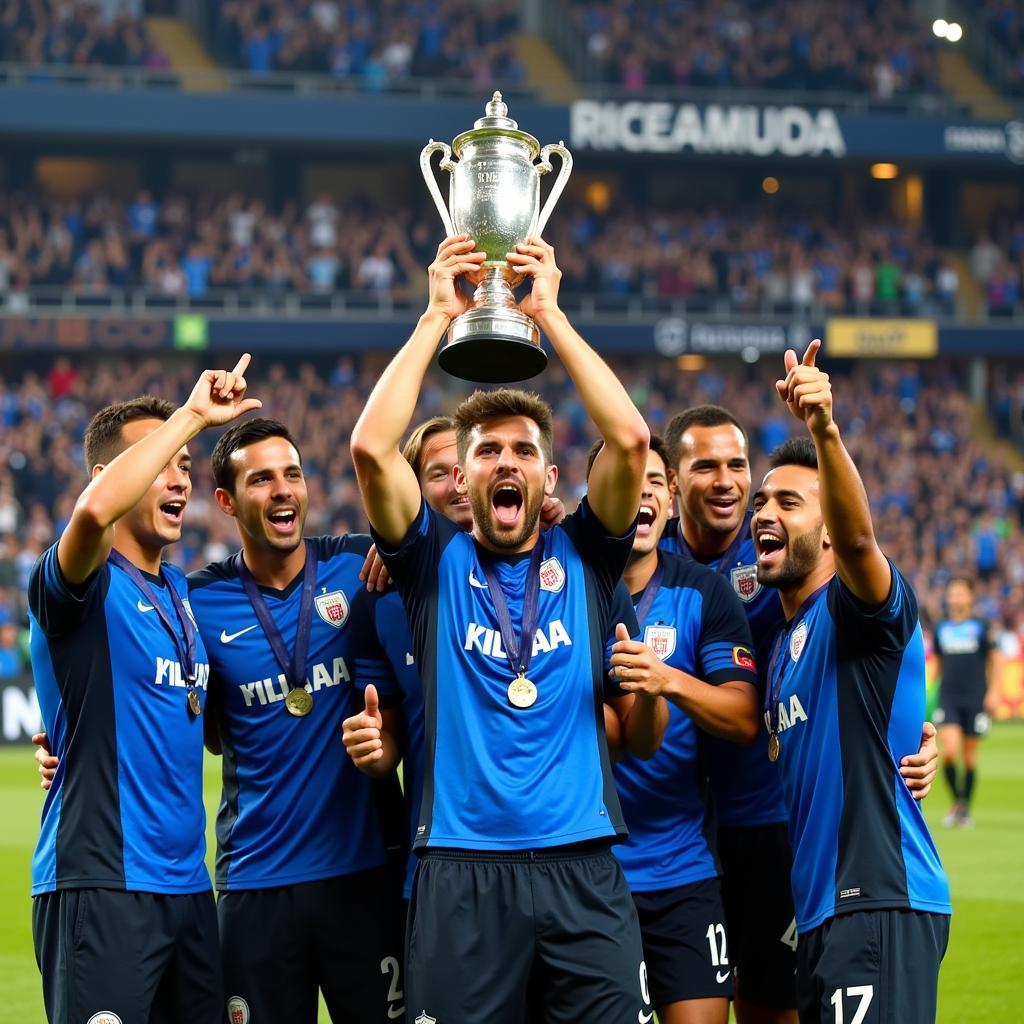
x=888 y=626
x=413 y=564
x=621 y=610
x=605 y=554
x=57 y=605
x=725 y=645
x=370 y=660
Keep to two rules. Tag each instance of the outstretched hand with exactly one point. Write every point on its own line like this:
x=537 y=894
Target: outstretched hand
x=219 y=395
x=455 y=257
x=806 y=389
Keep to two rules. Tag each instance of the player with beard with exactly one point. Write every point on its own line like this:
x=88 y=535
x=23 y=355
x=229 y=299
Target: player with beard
x=508 y=625
x=123 y=916
x=708 y=451
x=846 y=692
x=696 y=652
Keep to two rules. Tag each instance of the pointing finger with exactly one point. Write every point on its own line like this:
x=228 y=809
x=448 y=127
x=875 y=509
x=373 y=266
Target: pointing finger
x=789 y=360
x=812 y=352
x=242 y=365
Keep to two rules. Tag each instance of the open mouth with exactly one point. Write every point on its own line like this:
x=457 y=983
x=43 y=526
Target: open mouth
x=507 y=502
x=282 y=520
x=645 y=522
x=173 y=511
x=769 y=546
x=722 y=507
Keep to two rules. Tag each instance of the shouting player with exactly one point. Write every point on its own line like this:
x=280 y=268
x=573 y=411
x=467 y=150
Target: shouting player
x=846 y=690
x=123 y=917
x=508 y=624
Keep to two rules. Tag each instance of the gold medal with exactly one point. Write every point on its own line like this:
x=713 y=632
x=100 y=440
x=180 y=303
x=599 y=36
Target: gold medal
x=773 y=748
x=521 y=692
x=299 y=702
x=193 y=703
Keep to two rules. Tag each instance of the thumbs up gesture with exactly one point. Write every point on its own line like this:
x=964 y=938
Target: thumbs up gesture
x=636 y=667
x=362 y=734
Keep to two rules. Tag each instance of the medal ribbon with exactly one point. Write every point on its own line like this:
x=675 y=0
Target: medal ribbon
x=184 y=638
x=725 y=563
x=518 y=652
x=650 y=592
x=294 y=667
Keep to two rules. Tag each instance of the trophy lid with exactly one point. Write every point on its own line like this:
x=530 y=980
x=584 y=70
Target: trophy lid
x=495 y=122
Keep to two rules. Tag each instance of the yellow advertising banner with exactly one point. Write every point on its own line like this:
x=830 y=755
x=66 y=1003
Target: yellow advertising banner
x=882 y=339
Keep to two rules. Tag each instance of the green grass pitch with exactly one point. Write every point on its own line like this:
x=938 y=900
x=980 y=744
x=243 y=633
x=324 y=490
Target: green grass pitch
x=980 y=981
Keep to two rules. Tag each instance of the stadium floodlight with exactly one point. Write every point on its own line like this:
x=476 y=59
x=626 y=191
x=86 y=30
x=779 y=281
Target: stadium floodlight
x=954 y=32
x=940 y=27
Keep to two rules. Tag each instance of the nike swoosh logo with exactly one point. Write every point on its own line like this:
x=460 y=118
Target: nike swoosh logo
x=474 y=582
x=409 y=659
x=645 y=1018
x=394 y=1012
x=226 y=637
x=722 y=978
x=143 y=607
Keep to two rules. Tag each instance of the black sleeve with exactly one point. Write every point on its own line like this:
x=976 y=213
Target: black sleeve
x=725 y=647
x=57 y=605
x=888 y=626
x=419 y=551
x=604 y=553
x=621 y=610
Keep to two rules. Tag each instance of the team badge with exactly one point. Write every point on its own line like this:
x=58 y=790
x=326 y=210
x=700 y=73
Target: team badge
x=333 y=608
x=798 y=641
x=661 y=640
x=552 y=575
x=744 y=582
x=425 y=1018
x=238 y=1010
x=104 y=1017
x=741 y=656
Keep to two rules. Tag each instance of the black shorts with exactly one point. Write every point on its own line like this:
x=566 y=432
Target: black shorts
x=881 y=966
x=487 y=930
x=122 y=957
x=759 y=916
x=340 y=936
x=684 y=937
x=966 y=711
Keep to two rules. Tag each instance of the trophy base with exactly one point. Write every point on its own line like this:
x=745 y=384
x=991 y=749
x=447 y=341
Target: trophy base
x=493 y=346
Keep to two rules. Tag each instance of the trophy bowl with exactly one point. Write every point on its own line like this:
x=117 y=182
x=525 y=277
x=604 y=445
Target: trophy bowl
x=494 y=196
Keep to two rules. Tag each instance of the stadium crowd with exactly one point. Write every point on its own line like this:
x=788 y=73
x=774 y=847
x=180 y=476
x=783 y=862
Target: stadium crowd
x=944 y=503
x=377 y=44
x=1004 y=20
x=850 y=46
x=750 y=260
x=997 y=262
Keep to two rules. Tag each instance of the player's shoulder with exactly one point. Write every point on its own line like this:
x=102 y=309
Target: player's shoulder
x=682 y=573
x=328 y=547
x=224 y=571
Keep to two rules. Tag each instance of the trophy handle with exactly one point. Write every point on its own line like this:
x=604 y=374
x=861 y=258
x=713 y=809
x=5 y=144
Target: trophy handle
x=544 y=167
x=446 y=164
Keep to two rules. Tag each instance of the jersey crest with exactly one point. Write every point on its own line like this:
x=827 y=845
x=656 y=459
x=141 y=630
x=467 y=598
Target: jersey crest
x=333 y=608
x=798 y=641
x=238 y=1010
x=744 y=582
x=661 y=640
x=552 y=575
x=424 y=1018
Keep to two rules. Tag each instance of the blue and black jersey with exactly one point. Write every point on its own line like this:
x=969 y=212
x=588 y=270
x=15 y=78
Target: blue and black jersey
x=393 y=630
x=964 y=648
x=498 y=777
x=294 y=807
x=695 y=625
x=745 y=786
x=848 y=686
x=125 y=810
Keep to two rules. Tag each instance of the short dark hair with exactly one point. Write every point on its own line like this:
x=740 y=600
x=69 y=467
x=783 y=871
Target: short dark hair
x=412 y=450
x=796 y=451
x=241 y=435
x=504 y=402
x=103 y=439
x=696 y=416
x=657 y=446
x=965 y=580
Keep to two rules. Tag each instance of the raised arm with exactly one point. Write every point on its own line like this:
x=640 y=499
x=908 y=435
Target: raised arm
x=217 y=398
x=613 y=487
x=844 y=503
x=391 y=492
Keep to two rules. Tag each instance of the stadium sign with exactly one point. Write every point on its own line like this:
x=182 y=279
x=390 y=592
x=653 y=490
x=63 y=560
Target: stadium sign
x=675 y=336
x=19 y=710
x=987 y=140
x=870 y=338
x=743 y=130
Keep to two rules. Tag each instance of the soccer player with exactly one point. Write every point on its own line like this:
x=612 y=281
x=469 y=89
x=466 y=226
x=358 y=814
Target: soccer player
x=695 y=651
x=508 y=625
x=123 y=917
x=302 y=836
x=708 y=451
x=845 y=696
x=969 y=664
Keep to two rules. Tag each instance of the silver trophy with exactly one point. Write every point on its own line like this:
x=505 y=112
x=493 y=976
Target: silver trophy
x=494 y=196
